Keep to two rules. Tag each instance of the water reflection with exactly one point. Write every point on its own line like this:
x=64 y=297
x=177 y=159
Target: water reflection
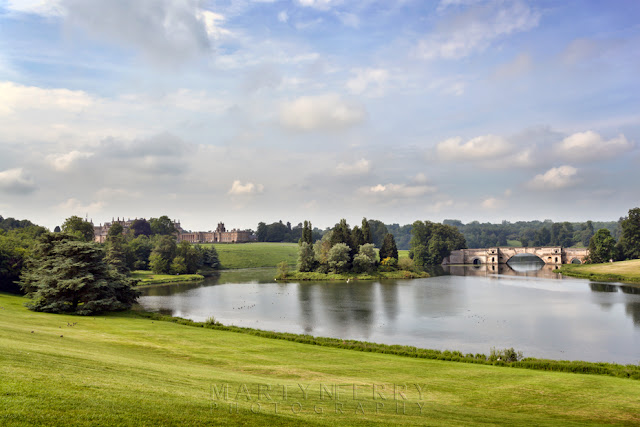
x=470 y=309
x=525 y=269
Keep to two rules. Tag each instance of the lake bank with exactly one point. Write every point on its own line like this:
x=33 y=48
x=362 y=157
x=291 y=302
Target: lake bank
x=621 y=271
x=122 y=369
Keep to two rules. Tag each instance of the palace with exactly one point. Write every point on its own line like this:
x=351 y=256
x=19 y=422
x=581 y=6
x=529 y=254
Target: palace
x=220 y=235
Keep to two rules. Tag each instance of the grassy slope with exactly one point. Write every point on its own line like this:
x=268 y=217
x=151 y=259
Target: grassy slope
x=623 y=271
x=147 y=277
x=253 y=255
x=125 y=370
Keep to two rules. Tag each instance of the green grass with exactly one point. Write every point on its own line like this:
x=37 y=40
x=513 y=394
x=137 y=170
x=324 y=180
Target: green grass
x=297 y=275
x=123 y=369
x=255 y=255
x=147 y=277
x=622 y=271
x=514 y=243
x=403 y=254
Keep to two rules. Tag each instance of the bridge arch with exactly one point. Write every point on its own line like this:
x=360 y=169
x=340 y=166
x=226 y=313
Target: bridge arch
x=525 y=258
x=576 y=261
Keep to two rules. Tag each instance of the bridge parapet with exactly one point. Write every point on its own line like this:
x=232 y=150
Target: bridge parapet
x=501 y=255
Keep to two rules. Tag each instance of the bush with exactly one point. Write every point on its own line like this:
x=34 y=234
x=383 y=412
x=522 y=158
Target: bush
x=283 y=270
x=388 y=264
x=406 y=264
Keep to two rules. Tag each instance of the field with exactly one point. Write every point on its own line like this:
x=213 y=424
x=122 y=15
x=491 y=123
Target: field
x=147 y=277
x=254 y=255
x=122 y=369
x=622 y=271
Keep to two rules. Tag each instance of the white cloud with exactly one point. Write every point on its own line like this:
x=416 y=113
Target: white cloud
x=212 y=22
x=249 y=188
x=17 y=98
x=165 y=32
x=62 y=162
x=475 y=30
x=319 y=4
x=361 y=167
x=395 y=191
x=480 y=147
x=371 y=80
x=38 y=7
x=349 y=19
x=555 y=178
x=16 y=181
x=283 y=16
x=420 y=178
x=492 y=203
x=322 y=112
x=75 y=206
x=588 y=146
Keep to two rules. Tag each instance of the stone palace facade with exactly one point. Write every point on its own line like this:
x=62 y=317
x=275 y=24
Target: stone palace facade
x=220 y=235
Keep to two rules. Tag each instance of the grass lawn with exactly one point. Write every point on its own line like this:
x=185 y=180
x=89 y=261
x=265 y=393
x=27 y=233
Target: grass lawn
x=147 y=277
x=621 y=271
x=254 y=255
x=122 y=369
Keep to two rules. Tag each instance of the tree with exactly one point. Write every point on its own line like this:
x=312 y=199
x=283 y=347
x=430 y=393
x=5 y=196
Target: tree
x=139 y=250
x=365 y=260
x=378 y=231
x=13 y=252
x=306 y=259
x=601 y=247
x=261 y=232
x=164 y=251
x=366 y=231
x=630 y=238
x=140 y=227
x=210 y=258
x=115 y=231
x=67 y=275
x=162 y=226
x=79 y=227
x=307 y=233
x=321 y=250
x=357 y=237
x=389 y=248
x=191 y=257
x=179 y=265
x=340 y=258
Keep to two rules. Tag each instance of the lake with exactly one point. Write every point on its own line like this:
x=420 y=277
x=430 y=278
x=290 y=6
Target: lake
x=470 y=309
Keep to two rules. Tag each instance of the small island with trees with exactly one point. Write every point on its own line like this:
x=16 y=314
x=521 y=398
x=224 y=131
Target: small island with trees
x=343 y=253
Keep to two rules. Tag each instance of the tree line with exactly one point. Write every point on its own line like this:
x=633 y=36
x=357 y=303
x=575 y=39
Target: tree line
x=66 y=271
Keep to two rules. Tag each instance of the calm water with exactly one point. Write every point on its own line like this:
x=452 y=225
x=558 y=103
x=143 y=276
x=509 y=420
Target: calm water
x=470 y=309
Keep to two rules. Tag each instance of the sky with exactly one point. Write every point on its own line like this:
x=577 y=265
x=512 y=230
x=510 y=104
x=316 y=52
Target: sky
x=243 y=111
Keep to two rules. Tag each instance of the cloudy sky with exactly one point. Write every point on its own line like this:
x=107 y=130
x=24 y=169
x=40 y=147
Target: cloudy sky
x=244 y=111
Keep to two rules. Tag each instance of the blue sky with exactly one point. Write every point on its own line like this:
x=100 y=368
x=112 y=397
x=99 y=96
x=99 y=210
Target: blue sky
x=244 y=111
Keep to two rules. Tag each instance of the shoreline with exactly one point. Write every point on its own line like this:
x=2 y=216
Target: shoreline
x=621 y=271
x=629 y=371
x=334 y=277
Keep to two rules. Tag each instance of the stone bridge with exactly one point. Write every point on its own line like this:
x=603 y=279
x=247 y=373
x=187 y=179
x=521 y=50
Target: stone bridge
x=549 y=254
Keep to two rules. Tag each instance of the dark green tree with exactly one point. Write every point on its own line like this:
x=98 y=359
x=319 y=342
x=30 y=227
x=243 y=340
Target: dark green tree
x=342 y=234
x=191 y=257
x=79 y=227
x=210 y=258
x=601 y=247
x=164 y=251
x=307 y=233
x=140 y=227
x=139 y=249
x=162 y=226
x=378 y=231
x=389 y=248
x=630 y=237
x=261 y=232
x=67 y=275
x=366 y=231
x=357 y=237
